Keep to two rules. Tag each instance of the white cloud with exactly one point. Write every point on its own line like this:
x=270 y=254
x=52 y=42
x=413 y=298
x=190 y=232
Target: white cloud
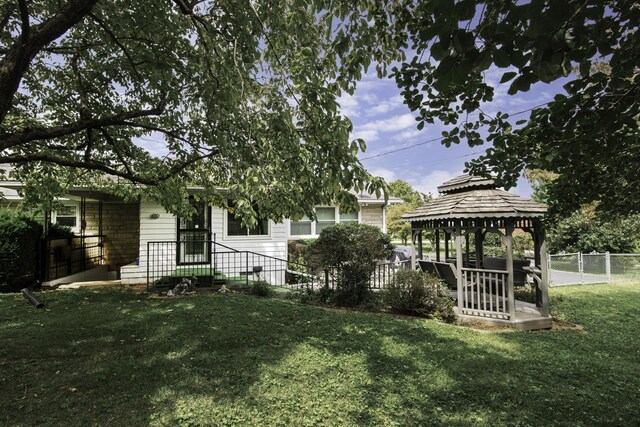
x=392 y=124
x=408 y=135
x=430 y=183
x=367 y=135
x=348 y=105
x=386 y=105
x=369 y=98
x=387 y=174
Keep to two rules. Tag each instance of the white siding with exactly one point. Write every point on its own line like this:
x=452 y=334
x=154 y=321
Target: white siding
x=164 y=228
x=275 y=244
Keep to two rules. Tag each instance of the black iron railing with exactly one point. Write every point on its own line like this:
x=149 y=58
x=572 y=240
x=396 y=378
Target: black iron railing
x=209 y=263
x=63 y=256
x=381 y=277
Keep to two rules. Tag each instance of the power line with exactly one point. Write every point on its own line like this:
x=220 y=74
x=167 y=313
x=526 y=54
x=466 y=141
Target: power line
x=403 y=148
x=442 y=137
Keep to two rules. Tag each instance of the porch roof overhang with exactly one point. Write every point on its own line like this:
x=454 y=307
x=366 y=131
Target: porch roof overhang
x=74 y=193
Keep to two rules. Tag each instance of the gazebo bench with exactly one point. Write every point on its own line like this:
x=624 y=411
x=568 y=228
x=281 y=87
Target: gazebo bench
x=443 y=270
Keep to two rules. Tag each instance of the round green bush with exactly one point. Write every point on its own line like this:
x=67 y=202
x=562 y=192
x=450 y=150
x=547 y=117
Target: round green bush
x=351 y=250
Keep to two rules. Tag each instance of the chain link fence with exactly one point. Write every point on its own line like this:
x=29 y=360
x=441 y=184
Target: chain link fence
x=579 y=268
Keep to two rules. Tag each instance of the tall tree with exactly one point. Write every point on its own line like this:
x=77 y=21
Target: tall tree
x=404 y=190
x=243 y=94
x=398 y=228
x=412 y=199
x=160 y=93
x=589 y=135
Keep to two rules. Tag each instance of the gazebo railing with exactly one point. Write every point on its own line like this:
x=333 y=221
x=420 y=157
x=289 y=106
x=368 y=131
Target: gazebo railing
x=485 y=293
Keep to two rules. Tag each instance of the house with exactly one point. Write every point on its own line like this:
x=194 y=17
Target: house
x=163 y=237
x=139 y=242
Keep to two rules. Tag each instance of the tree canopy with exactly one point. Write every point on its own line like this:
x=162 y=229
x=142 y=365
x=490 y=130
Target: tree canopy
x=588 y=136
x=231 y=94
x=242 y=94
x=403 y=190
x=412 y=199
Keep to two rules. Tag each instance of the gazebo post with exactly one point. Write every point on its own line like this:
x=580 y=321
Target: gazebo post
x=479 y=252
x=466 y=252
x=437 y=231
x=544 y=282
x=458 y=237
x=420 y=244
x=508 y=240
x=447 y=236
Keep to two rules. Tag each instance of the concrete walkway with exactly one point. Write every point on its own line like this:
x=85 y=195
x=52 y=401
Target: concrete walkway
x=91 y=285
x=561 y=278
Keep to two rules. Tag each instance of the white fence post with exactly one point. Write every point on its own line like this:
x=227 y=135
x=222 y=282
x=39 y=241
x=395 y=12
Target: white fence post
x=581 y=267
x=607 y=263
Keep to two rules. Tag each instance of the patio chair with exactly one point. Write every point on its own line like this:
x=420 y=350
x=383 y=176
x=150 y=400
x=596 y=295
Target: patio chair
x=447 y=272
x=428 y=267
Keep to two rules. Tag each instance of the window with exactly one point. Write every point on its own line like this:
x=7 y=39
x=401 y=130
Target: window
x=235 y=227
x=348 y=216
x=193 y=235
x=326 y=217
x=302 y=227
x=67 y=216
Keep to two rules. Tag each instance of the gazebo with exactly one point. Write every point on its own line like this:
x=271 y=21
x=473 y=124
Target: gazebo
x=484 y=286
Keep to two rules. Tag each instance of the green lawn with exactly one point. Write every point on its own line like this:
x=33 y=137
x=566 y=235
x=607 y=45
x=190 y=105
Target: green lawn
x=112 y=357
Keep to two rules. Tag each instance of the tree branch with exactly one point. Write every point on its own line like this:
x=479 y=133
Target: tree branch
x=116 y=149
x=29 y=135
x=6 y=16
x=158 y=129
x=16 y=61
x=116 y=41
x=129 y=174
x=91 y=165
x=24 y=18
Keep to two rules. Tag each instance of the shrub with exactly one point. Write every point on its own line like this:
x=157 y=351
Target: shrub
x=588 y=231
x=416 y=293
x=352 y=250
x=19 y=238
x=260 y=288
x=322 y=296
x=58 y=231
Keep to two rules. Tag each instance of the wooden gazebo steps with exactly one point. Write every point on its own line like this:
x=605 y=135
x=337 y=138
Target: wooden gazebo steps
x=527 y=318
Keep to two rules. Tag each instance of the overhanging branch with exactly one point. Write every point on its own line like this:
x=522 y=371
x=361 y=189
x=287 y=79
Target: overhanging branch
x=29 y=135
x=128 y=174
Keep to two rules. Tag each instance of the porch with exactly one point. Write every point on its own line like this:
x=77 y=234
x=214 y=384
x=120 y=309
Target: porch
x=103 y=237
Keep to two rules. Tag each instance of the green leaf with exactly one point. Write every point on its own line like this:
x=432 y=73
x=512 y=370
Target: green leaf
x=508 y=76
x=501 y=58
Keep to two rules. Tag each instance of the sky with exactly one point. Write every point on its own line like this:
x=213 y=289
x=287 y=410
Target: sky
x=379 y=117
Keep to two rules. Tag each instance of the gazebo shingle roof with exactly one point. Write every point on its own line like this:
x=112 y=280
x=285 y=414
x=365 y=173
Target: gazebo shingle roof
x=463 y=182
x=475 y=197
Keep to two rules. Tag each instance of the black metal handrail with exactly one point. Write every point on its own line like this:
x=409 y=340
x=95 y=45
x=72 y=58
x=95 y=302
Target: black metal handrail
x=167 y=265
x=63 y=256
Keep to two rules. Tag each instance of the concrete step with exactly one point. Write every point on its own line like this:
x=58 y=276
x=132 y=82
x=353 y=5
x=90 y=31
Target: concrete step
x=91 y=285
